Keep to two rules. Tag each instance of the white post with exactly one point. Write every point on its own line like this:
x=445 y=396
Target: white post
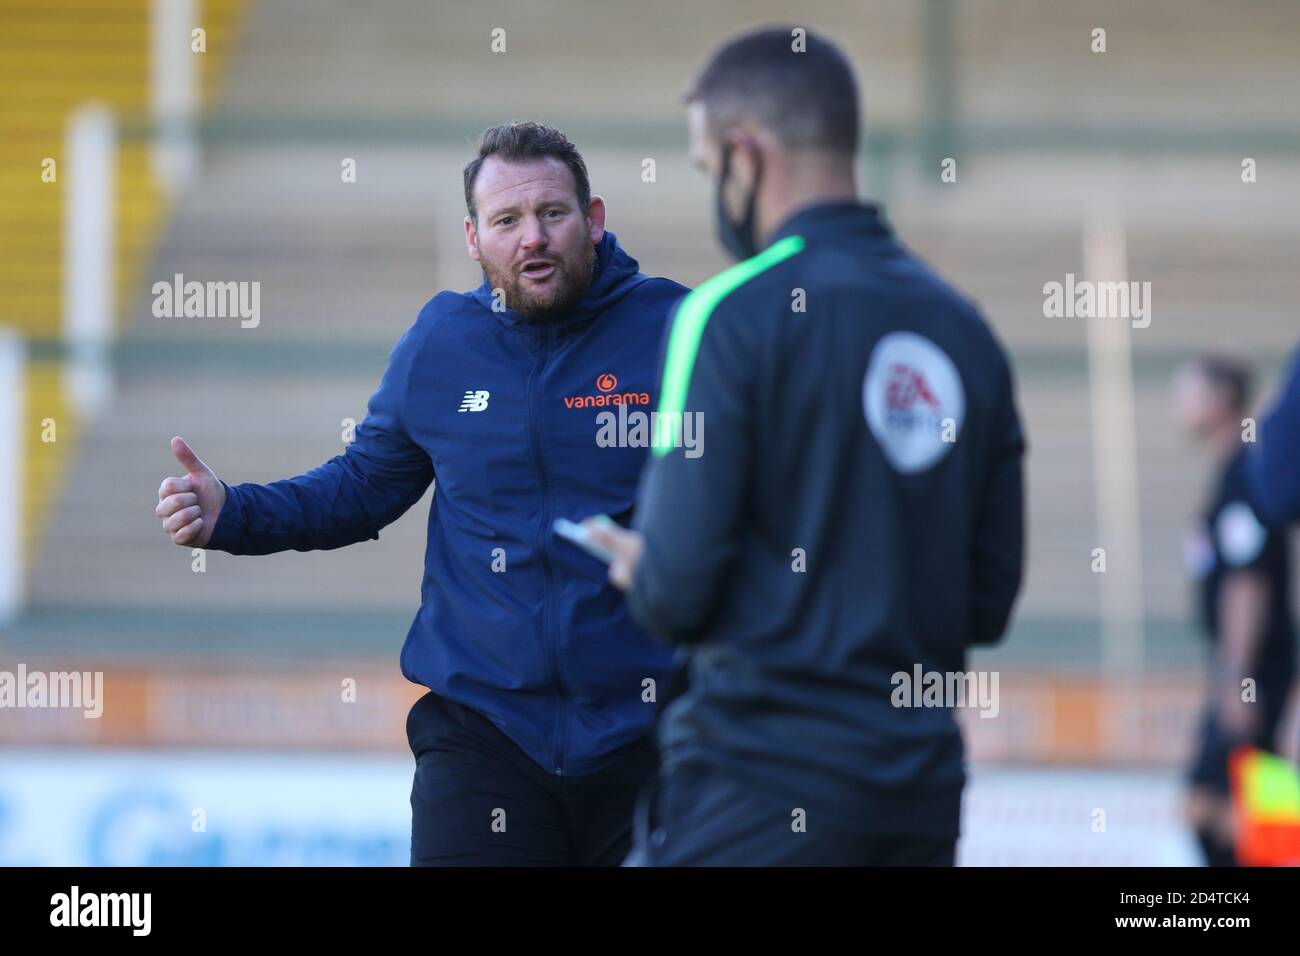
x=88 y=254
x=13 y=437
x=1114 y=443
x=174 y=92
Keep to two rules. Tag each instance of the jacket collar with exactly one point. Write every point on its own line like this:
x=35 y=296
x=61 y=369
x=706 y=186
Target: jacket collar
x=838 y=217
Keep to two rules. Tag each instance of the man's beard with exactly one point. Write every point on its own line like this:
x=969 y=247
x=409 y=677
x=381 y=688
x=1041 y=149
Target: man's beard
x=572 y=278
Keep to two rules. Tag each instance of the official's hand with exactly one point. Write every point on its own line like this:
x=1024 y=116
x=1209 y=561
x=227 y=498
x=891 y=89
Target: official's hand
x=189 y=506
x=1236 y=716
x=626 y=546
x=1288 y=728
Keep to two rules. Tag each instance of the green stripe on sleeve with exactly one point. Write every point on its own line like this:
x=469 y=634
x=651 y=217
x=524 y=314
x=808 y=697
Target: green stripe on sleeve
x=688 y=329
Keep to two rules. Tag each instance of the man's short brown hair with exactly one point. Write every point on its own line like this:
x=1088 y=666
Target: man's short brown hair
x=521 y=142
x=806 y=97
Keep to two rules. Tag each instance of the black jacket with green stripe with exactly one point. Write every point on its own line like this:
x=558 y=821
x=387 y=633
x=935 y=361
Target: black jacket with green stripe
x=845 y=522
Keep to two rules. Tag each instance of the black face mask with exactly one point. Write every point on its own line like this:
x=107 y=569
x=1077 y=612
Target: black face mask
x=738 y=238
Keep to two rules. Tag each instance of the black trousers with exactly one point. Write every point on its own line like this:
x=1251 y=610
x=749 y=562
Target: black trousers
x=478 y=800
x=1210 y=766
x=699 y=816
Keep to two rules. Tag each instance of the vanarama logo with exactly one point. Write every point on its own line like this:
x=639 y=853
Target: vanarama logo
x=606 y=383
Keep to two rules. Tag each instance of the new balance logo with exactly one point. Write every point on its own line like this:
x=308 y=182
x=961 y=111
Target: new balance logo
x=474 y=401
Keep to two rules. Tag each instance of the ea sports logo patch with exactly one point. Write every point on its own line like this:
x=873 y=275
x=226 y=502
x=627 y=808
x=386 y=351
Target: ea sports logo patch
x=913 y=400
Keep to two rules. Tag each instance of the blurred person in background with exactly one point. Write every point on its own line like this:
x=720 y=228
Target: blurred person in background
x=1273 y=477
x=1242 y=570
x=532 y=743
x=856 y=516
x=1273 y=469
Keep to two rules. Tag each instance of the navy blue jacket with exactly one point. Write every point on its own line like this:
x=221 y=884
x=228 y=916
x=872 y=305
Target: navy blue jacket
x=1273 y=468
x=854 y=523
x=514 y=623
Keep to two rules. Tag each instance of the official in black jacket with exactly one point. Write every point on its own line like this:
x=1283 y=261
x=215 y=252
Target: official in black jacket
x=851 y=521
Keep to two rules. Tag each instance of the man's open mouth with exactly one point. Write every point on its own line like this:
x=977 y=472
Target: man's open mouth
x=538 y=269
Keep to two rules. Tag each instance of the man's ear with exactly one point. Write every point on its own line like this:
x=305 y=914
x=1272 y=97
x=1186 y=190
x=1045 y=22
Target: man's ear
x=596 y=219
x=471 y=238
x=746 y=151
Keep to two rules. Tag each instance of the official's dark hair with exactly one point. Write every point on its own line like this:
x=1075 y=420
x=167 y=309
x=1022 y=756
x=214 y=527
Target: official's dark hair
x=1232 y=377
x=799 y=87
x=520 y=142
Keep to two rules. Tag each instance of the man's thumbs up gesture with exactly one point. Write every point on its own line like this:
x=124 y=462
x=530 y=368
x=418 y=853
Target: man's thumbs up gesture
x=189 y=506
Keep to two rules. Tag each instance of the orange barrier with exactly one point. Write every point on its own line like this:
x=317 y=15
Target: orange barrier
x=343 y=706
x=1034 y=718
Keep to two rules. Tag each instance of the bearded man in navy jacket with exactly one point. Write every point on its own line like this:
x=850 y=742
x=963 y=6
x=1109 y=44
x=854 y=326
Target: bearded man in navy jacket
x=533 y=739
